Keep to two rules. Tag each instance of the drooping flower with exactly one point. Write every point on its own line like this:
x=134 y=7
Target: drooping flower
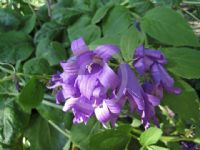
x=152 y=61
x=139 y=101
x=85 y=83
x=145 y=58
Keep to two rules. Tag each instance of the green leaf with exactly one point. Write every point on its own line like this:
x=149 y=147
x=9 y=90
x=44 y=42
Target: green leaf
x=56 y=115
x=111 y=139
x=171 y=29
x=81 y=133
x=185 y=105
x=89 y=33
x=105 y=40
x=183 y=62
x=117 y=21
x=48 y=30
x=141 y=6
x=53 y=52
x=101 y=13
x=43 y=136
x=154 y=147
x=64 y=15
x=29 y=23
x=150 y=136
x=37 y=66
x=12 y=121
x=8 y=20
x=15 y=46
x=129 y=41
x=31 y=95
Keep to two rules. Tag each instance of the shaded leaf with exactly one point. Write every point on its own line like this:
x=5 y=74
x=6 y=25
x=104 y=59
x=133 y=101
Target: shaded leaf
x=81 y=133
x=109 y=139
x=15 y=46
x=31 y=95
x=43 y=136
x=37 y=66
x=182 y=104
x=53 y=52
x=12 y=121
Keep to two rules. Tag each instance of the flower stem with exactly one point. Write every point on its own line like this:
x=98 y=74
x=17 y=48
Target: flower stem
x=45 y=102
x=66 y=133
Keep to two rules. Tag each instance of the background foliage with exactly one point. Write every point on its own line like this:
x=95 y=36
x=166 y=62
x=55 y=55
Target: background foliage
x=35 y=36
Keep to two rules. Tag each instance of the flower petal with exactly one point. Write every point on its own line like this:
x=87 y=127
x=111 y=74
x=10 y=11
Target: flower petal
x=156 y=55
x=132 y=86
x=108 y=78
x=78 y=47
x=112 y=106
x=69 y=103
x=69 y=66
x=140 y=66
x=155 y=101
x=139 y=52
x=102 y=113
x=86 y=84
x=106 y=51
x=59 y=97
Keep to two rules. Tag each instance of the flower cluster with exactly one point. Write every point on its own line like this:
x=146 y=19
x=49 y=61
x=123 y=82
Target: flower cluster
x=88 y=86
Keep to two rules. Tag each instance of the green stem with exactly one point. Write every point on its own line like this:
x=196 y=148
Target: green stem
x=190 y=14
x=6 y=70
x=46 y=77
x=191 y=2
x=65 y=133
x=6 y=78
x=170 y=138
x=45 y=102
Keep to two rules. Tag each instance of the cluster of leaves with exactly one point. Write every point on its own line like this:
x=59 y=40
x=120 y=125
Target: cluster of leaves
x=34 y=40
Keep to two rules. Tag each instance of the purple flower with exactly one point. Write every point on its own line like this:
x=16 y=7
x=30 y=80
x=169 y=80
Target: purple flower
x=140 y=101
x=187 y=145
x=148 y=60
x=85 y=83
x=162 y=79
x=145 y=58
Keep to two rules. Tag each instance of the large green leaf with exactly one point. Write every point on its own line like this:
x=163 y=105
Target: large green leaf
x=8 y=20
x=43 y=136
x=64 y=15
x=31 y=95
x=81 y=133
x=113 y=139
x=48 y=30
x=53 y=52
x=12 y=121
x=168 y=27
x=150 y=136
x=183 y=62
x=141 y=6
x=37 y=66
x=117 y=21
x=185 y=105
x=29 y=23
x=105 y=40
x=89 y=33
x=101 y=13
x=15 y=46
x=56 y=115
x=129 y=41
